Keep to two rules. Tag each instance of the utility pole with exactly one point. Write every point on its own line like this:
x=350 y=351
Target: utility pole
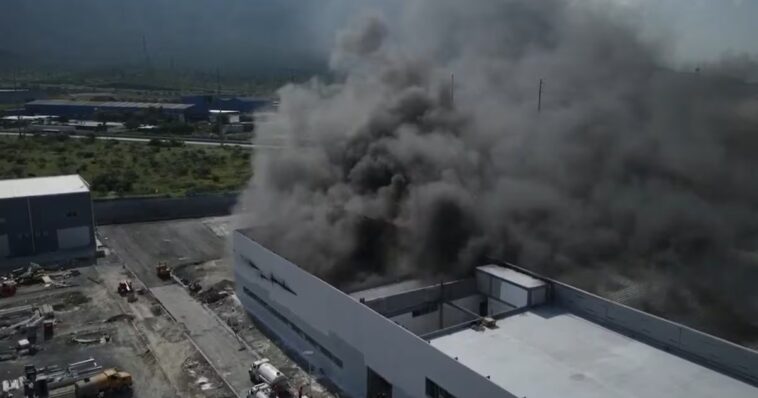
x=539 y=98
x=18 y=114
x=452 y=90
x=145 y=53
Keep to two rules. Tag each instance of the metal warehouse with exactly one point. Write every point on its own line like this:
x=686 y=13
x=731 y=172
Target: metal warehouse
x=88 y=109
x=501 y=332
x=205 y=103
x=45 y=219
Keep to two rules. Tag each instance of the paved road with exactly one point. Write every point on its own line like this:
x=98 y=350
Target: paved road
x=186 y=141
x=220 y=347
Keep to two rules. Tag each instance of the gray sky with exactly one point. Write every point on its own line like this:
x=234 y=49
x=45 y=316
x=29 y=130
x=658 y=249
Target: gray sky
x=246 y=35
x=701 y=30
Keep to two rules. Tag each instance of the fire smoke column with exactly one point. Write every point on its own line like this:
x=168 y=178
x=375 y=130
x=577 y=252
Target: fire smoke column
x=628 y=159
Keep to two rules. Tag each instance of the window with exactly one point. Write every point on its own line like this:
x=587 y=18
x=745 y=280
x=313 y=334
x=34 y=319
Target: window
x=72 y=214
x=250 y=263
x=296 y=329
x=433 y=390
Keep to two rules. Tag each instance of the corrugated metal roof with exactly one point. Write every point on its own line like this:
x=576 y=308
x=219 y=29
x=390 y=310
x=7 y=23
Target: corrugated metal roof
x=42 y=186
x=111 y=104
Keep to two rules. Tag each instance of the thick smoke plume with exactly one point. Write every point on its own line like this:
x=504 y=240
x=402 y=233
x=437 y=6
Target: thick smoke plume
x=399 y=170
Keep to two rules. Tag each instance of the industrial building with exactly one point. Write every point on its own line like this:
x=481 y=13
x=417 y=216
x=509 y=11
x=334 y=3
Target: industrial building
x=17 y=96
x=45 y=220
x=502 y=332
x=86 y=110
x=206 y=103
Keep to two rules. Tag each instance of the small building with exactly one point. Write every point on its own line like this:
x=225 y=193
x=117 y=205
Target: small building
x=45 y=220
x=223 y=116
x=501 y=331
x=86 y=110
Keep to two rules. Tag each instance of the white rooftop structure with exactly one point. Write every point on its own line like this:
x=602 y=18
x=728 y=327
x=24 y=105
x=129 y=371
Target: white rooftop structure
x=549 y=352
x=512 y=276
x=42 y=186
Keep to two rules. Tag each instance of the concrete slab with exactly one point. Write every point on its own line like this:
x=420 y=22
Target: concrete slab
x=141 y=246
x=218 y=344
x=548 y=352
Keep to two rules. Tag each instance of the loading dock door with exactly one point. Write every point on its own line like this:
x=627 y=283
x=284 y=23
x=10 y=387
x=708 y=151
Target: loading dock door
x=377 y=386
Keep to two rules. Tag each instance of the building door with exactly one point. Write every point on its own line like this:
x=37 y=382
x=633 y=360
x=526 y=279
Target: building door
x=377 y=386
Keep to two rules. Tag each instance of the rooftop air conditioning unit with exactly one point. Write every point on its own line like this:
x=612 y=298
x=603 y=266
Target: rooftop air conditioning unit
x=489 y=323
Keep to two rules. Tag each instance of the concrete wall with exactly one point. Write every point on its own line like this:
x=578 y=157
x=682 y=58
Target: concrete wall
x=411 y=300
x=423 y=322
x=131 y=210
x=681 y=340
x=311 y=309
x=420 y=324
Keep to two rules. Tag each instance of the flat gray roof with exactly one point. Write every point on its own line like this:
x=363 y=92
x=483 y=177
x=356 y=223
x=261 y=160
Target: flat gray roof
x=42 y=186
x=111 y=104
x=548 y=352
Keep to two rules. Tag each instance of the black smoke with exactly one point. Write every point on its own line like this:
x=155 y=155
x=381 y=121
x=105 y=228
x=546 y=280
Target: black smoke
x=398 y=170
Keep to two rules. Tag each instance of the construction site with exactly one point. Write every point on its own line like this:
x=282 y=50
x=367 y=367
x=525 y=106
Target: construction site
x=154 y=316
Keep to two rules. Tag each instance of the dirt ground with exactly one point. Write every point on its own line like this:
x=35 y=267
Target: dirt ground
x=135 y=337
x=196 y=250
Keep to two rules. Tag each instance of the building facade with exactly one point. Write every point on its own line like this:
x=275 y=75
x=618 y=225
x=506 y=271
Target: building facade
x=500 y=333
x=47 y=219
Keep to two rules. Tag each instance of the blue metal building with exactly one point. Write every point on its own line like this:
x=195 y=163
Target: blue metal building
x=45 y=220
x=88 y=109
x=204 y=103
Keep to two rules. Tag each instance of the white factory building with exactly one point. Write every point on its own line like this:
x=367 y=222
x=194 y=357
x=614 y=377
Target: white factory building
x=503 y=332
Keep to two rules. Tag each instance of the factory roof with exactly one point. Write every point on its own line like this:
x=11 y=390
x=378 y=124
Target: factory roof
x=42 y=186
x=112 y=104
x=550 y=352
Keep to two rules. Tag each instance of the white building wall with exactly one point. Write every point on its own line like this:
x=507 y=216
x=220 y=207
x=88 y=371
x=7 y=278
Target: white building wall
x=357 y=335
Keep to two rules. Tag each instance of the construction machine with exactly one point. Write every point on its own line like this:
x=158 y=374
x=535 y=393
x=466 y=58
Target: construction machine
x=103 y=383
x=7 y=288
x=125 y=287
x=263 y=372
x=163 y=271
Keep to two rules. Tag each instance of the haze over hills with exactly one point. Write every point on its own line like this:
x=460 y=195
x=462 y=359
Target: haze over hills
x=236 y=35
x=255 y=37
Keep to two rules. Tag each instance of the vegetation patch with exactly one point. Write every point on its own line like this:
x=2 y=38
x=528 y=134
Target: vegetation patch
x=115 y=169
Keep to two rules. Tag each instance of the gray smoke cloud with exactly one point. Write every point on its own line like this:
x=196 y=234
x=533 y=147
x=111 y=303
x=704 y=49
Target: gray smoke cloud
x=396 y=170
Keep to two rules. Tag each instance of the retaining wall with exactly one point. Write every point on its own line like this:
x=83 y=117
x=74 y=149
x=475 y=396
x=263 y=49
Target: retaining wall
x=132 y=210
